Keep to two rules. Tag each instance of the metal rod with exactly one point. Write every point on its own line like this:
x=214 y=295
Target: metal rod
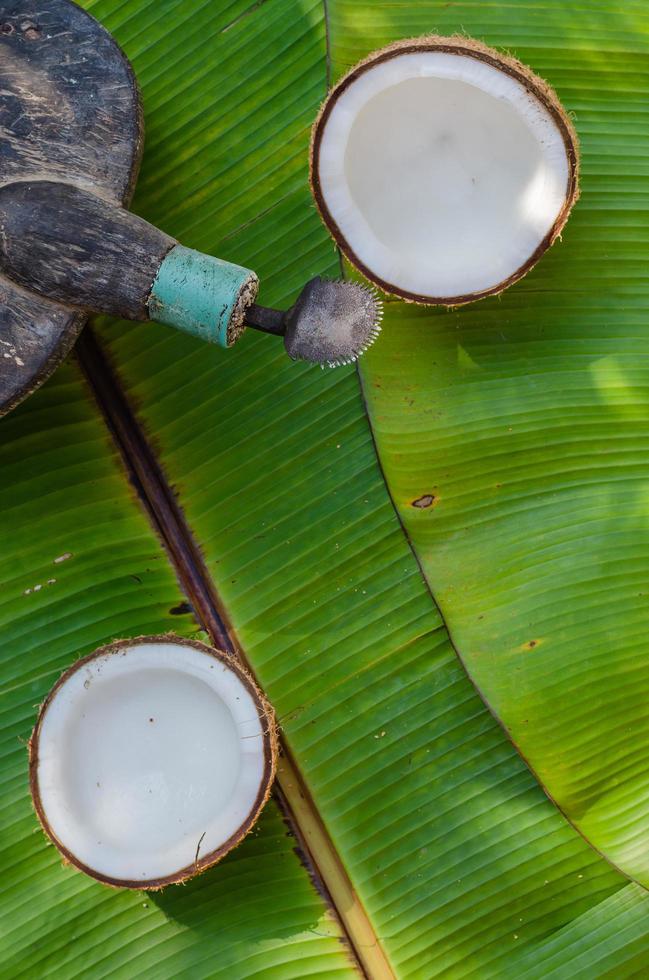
x=267 y=320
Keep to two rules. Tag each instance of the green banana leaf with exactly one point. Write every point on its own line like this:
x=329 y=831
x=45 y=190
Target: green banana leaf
x=435 y=849
x=81 y=565
x=526 y=421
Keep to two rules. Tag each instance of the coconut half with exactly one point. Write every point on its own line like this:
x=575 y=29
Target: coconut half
x=443 y=169
x=150 y=760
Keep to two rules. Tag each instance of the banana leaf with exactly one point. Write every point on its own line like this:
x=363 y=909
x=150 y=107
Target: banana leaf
x=81 y=565
x=439 y=848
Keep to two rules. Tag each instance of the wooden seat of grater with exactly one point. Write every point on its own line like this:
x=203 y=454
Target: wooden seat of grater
x=69 y=111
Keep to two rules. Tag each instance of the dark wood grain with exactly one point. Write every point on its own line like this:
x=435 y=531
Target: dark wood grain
x=82 y=250
x=69 y=110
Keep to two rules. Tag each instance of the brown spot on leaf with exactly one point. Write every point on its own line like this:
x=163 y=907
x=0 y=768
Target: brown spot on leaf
x=427 y=500
x=182 y=609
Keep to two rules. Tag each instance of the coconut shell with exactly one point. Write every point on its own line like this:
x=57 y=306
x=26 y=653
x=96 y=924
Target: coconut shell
x=459 y=45
x=269 y=729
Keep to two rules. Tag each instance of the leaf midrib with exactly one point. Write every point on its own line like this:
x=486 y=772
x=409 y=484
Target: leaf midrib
x=291 y=791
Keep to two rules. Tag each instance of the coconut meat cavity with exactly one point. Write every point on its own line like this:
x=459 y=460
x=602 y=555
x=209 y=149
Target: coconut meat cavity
x=149 y=759
x=442 y=174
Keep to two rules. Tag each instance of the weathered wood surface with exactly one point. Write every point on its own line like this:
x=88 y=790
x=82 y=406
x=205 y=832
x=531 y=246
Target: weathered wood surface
x=70 y=111
x=79 y=249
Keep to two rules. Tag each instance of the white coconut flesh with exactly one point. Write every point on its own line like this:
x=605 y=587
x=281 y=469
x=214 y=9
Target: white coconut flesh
x=442 y=173
x=149 y=759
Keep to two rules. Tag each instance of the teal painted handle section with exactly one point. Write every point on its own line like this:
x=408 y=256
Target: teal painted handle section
x=202 y=295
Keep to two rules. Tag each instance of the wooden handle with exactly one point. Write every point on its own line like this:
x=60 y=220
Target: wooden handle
x=71 y=246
